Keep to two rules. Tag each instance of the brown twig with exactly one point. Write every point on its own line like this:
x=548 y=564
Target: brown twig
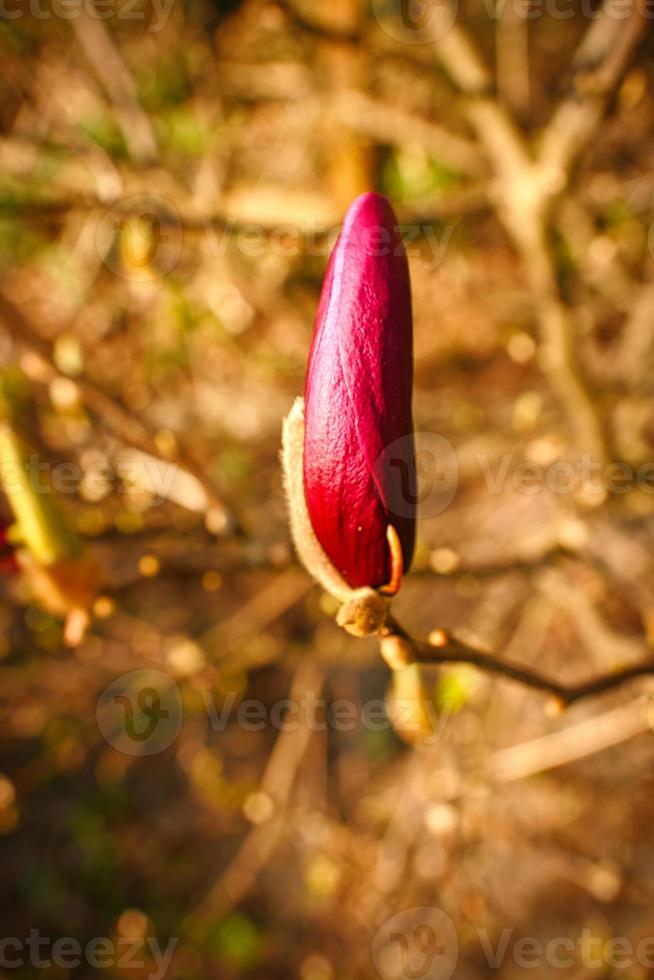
x=448 y=649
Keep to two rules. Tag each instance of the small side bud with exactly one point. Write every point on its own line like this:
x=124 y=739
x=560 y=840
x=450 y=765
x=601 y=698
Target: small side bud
x=554 y=706
x=364 y=613
x=395 y=651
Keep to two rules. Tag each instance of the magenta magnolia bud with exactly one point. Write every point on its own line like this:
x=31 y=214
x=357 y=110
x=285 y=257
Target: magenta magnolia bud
x=358 y=442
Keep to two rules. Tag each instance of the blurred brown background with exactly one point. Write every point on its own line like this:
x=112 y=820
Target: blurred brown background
x=172 y=178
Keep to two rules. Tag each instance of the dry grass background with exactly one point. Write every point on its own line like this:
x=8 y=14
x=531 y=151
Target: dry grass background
x=246 y=131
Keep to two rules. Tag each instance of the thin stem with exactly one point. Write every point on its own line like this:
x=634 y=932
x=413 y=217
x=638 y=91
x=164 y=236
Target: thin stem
x=449 y=649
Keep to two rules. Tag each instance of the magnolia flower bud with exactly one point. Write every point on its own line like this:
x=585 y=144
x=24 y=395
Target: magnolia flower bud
x=358 y=399
x=358 y=432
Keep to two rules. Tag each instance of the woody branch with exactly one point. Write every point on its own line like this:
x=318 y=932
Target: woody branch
x=400 y=649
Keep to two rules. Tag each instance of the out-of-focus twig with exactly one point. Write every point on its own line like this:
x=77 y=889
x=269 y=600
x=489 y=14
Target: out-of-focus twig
x=393 y=125
x=109 y=66
x=276 y=785
x=600 y=61
x=126 y=427
x=342 y=33
x=636 y=350
x=572 y=743
x=512 y=57
x=260 y=610
x=630 y=358
x=596 y=635
x=595 y=259
x=526 y=185
x=358 y=109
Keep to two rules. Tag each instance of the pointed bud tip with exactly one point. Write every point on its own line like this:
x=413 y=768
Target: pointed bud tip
x=367 y=207
x=371 y=223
